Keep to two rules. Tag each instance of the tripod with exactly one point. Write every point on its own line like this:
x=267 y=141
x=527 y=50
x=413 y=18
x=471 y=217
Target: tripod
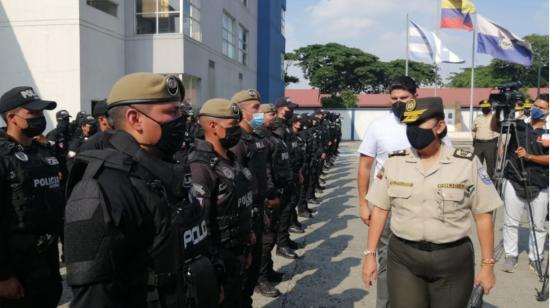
x=508 y=129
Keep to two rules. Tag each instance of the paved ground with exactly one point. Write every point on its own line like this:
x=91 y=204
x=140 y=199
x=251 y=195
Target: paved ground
x=329 y=271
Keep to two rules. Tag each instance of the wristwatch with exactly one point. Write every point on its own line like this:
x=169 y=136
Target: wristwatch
x=367 y=253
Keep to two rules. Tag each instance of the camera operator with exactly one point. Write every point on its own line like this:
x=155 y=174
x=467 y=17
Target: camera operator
x=533 y=150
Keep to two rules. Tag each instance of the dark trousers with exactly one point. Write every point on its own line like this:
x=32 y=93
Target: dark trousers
x=253 y=272
x=233 y=284
x=266 y=264
x=487 y=151
x=285 y=208
x=437 y=279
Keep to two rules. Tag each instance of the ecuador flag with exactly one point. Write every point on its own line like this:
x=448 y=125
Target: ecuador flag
x=455 y=14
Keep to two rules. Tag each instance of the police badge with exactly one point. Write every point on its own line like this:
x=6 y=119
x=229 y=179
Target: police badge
x=172 y=85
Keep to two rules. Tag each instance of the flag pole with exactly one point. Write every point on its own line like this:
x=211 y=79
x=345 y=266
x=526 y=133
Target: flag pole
x=472 y=78
x=407 y=48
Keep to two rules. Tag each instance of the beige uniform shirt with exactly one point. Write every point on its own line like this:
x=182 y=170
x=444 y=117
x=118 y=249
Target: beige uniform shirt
x=433 y=205
x=482 y=128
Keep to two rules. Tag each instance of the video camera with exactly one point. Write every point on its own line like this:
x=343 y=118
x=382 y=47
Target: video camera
x=507 y=98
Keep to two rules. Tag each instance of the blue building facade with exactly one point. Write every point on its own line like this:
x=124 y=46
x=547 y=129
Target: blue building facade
x=271 y=49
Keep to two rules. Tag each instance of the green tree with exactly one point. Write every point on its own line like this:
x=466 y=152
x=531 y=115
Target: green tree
x=334 y=68
x=290 y=59
x=424 y=74
x=499 y=72
x=349 y=99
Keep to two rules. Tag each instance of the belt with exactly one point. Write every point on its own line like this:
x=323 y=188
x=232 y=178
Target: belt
x=485 y=141
x=429 y=246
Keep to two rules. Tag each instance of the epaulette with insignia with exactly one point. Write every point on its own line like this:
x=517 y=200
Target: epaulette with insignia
x=398 y=153
x=463 y=154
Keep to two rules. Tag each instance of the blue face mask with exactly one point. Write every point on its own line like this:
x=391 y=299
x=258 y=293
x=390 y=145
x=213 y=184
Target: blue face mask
x=257 y=120
x=537 y=113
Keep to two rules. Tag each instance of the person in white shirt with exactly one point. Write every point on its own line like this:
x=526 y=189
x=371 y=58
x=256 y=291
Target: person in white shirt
x=383 y=136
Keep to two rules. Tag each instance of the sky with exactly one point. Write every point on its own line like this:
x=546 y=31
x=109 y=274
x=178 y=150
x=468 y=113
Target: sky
x=379 y=26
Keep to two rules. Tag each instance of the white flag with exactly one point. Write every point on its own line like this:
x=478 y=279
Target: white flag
x=426 y=46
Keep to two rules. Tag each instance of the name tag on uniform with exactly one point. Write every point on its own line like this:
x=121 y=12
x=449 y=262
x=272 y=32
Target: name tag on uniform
x=399 y=183
x=455 y=186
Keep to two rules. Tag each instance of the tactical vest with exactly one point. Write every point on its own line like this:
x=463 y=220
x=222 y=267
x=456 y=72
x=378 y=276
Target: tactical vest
x=280 y=160
x=232 y=197
x=32 y=189
x=176 y=250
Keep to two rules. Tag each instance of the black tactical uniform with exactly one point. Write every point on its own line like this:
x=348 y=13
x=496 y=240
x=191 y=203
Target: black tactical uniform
x=224 y=190
x=281 y=177
x=252 y=151
x=133 y=236
x=297 y=163
x=31 y=219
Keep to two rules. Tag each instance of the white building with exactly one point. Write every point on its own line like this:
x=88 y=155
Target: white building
x=72 y=51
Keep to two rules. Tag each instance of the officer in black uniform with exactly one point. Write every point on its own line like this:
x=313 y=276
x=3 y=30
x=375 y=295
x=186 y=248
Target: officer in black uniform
x=88 y=129
x=281 y=132
x=224 y=189
x=104 y=125
x=61 y=137
x=133 y=238
x=273 y=195
x=31 y=210
x=252 y=151
x=297 y=163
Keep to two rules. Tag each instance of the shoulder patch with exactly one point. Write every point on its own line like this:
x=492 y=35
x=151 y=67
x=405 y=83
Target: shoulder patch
x=463 y=154
x=398 y=153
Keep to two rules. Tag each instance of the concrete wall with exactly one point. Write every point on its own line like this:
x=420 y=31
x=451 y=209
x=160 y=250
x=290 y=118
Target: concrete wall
x=356 y=121
x=102 y=52
x=40 y=48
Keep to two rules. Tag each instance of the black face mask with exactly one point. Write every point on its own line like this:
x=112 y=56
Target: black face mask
x=63 y=125
x=232 y=137
x=172 y=135
x=398 y=108
x=420 y=137
x=93 y=130
x=289 y=114
x=35 y=126
x=527 y=112
x=486 y=110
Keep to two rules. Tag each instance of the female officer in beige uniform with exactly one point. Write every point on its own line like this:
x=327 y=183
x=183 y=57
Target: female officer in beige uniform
x=431 y=190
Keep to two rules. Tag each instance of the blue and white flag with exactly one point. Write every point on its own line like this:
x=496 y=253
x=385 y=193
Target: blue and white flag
x=500 y=43
x=426 y=46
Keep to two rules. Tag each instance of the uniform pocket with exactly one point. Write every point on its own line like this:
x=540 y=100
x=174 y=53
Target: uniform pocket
x=403 y=192
x=453 y=203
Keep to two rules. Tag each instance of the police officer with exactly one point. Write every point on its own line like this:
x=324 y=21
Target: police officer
x=485 y=140
x=88 y=129
x=31 y=210
x=297 y=163
x=133 y=238
x=224 y=189
x=104 y=125
x=252 y=152
x=431 y=189
x=61 y=135
x=278 y=171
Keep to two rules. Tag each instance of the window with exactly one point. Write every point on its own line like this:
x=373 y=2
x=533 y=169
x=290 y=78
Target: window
x=228 y=36
x=243 y=45
x=192 y=19
x=158 y=16
x=283 y=13
x=106 y=6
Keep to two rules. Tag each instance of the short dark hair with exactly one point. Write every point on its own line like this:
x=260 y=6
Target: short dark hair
x=543 y=97
x=404 y=83
x=116 y=114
